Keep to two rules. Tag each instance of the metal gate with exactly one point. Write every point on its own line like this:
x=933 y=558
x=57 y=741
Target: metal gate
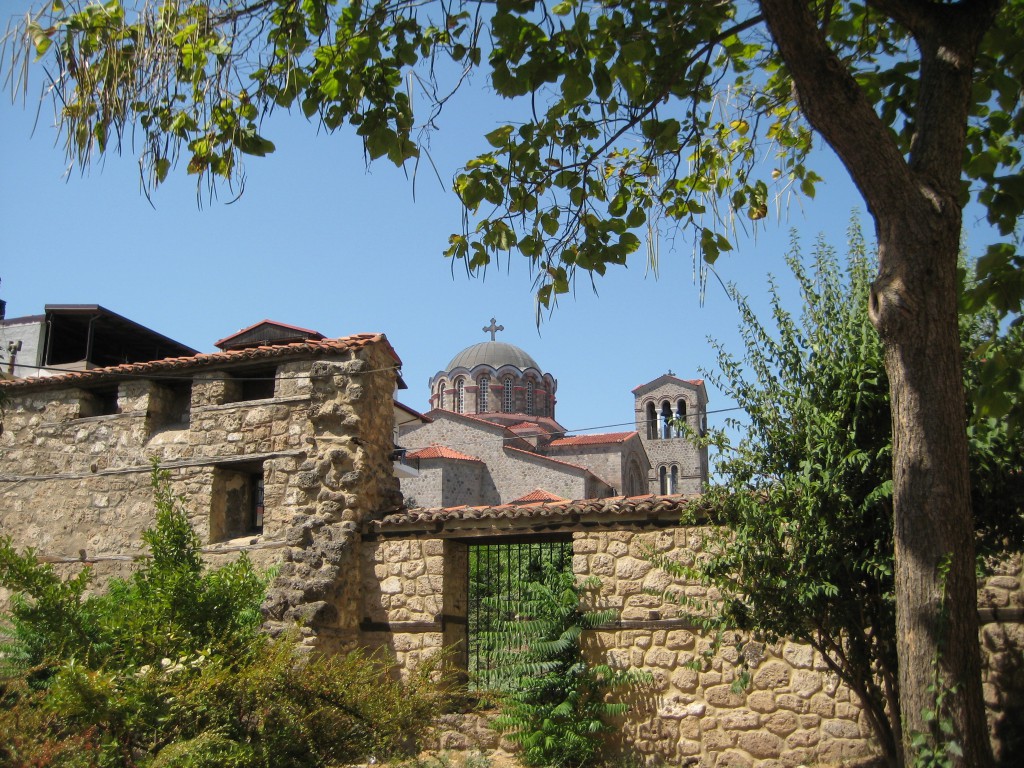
x=498 y=573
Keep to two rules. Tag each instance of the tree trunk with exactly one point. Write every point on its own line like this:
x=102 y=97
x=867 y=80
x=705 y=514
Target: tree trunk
x=914 y=308
x=915 y=203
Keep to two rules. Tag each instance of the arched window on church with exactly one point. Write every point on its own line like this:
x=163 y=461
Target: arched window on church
x=673 y=480
x=440 y=395
x=508 y=396
x=680 y=417
x=652 y=422
x=529 y=397
x=482 y=394
x=460 y=395
x=663 y=481
x=666 y=420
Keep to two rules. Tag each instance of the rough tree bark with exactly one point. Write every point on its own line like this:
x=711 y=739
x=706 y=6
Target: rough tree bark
x=915 y=204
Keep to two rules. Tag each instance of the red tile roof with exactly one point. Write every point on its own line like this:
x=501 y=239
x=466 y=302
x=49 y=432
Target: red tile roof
x=174 y=365
x=635 y=508
x=597 y=439
x=438 y=451
x=537 y=496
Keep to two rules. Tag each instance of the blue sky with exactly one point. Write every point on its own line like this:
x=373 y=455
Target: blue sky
x=318 y=241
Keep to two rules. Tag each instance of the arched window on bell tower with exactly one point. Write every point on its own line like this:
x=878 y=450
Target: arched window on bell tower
x=652 y=422
x=680 y=417
x=482 y=394
x=666 y=420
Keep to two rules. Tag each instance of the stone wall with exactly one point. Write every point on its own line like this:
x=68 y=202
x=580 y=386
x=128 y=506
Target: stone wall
x=794 y=711
x=76 y=487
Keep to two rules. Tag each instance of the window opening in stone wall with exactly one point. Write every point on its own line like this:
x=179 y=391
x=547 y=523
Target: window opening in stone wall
x=651 y=415
x=498 y=575
x=673 y=480
x=508 y=400
x=666 y=420
x=529 y=397
x=251 y=385
x=440 y=395
x=460 y=395
x=482 y=393
x=237 y=501
x=104 y=402
x=170 y=404
x=663 y=481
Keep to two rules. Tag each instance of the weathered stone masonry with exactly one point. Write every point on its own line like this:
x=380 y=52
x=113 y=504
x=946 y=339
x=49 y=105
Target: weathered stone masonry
x=75 y=486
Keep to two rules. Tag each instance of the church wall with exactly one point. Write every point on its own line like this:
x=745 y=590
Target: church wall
x=449 y=483
x=507 y=475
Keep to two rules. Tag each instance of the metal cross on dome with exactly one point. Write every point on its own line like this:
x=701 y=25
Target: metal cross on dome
x=493 y=329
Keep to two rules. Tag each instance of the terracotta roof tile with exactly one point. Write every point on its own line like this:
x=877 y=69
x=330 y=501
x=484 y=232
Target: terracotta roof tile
x=525 y=425
x=537 y=496
x=438 y=451
x=665 y=508
x=597 y=439
x=170 y=365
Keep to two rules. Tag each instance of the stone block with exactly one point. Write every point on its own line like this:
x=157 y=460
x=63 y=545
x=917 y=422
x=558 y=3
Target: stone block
x=772 y=675
x=660 y=657
x=679 y=639
x=762 y=701
x=760 y=744
x=841 y=729
x=782 y=723
x=798 y=656
x=732 y=758
x=740 y=720
x=805 y=683
x=823 y=705
x=723 y=696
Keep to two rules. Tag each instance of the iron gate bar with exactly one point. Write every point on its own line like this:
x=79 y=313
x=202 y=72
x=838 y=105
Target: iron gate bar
x=497 y=574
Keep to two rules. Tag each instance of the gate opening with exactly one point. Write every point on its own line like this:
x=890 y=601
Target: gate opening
x=498 y=573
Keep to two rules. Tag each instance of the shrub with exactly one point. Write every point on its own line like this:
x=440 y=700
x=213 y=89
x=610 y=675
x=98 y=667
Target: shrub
x=168 y=668
x=553 y=702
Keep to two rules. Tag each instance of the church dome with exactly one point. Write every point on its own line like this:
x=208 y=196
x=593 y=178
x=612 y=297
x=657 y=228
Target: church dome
x=492 y=353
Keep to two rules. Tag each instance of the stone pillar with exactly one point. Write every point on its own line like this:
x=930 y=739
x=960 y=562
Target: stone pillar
x=347 y=477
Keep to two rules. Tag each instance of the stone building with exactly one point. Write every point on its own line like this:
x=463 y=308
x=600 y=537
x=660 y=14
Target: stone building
x=492 y=437
x=279 y=450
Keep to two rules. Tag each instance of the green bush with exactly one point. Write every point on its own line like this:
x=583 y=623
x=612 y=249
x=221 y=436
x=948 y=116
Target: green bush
x=168 y=668
x=553 y=700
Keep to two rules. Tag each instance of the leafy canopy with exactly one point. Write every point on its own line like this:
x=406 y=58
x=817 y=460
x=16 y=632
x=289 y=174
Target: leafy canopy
x=628 y=117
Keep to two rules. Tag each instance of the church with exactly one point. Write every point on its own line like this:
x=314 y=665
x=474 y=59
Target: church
x=492 y=437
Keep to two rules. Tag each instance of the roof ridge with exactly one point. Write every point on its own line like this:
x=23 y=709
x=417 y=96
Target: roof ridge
x=353 y=342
